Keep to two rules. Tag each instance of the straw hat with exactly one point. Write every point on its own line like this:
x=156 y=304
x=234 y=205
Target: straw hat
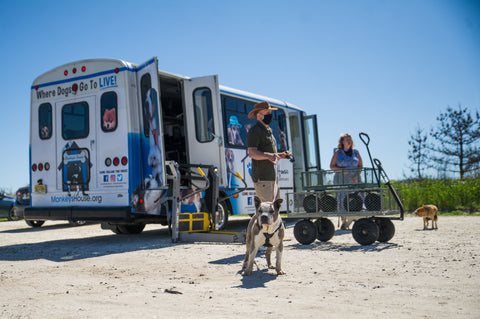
x=259 y=107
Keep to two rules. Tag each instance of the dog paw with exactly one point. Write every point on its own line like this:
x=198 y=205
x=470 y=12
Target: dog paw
x=247 y=272
x=281 y=272
x=271 y=267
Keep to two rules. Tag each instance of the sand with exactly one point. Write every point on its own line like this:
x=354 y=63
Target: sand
x=62 y=271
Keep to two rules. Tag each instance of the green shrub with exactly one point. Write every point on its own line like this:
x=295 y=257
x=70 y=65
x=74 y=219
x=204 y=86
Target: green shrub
x=446 y=194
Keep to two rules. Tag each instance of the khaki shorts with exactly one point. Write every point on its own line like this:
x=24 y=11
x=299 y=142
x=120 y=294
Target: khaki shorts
x=265 y=190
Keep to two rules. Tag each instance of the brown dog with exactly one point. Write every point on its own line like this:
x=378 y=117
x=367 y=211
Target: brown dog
x=428 y=212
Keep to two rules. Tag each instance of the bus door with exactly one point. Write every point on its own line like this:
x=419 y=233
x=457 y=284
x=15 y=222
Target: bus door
x=303 y=132
x=152 y=168
x=204 y=127
x=76 y=144
x=312 y=152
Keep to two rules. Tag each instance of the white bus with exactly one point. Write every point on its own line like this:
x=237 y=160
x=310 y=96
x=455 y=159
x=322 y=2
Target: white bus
x=102 y=131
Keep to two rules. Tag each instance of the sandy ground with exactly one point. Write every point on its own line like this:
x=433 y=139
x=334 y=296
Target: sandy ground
x=61 y=271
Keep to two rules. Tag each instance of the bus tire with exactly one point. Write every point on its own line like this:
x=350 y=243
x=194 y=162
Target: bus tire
x=77 y=222
x=131 y=229
x=305 y=232
x=221 y=216
x=35 y=223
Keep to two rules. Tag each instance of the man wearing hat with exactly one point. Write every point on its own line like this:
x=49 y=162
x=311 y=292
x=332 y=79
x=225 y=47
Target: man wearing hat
x=262 y=149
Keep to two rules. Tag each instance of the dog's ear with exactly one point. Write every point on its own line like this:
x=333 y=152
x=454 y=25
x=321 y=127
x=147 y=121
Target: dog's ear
x=257 y=202
x=277 y=204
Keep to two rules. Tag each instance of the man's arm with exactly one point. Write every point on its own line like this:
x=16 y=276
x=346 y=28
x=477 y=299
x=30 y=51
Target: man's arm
x=258 y=155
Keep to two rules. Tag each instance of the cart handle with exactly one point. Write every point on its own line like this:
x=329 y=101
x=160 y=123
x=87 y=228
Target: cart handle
x=362 y=135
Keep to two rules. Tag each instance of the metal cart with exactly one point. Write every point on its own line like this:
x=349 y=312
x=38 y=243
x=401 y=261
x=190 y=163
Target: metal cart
x=355 y=193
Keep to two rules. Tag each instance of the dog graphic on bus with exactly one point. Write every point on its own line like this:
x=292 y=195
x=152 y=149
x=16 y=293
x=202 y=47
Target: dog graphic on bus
x=155 y=154
x=147 y=195
x=109 y=120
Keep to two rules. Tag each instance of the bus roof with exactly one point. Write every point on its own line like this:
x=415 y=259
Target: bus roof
x=97 y=67
x=65 y=73
x=256 y=98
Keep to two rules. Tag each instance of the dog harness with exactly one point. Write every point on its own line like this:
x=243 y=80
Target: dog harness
x=268 y=236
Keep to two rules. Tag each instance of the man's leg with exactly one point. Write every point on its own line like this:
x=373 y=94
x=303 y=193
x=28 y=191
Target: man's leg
x=265 y=191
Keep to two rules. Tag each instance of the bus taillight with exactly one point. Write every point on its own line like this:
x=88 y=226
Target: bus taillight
x=116 y=161
x=117 y=70
x=40 y=167
x=65 y=72
x=74 y=70
x=74 y=87
x=124 y=160
x=34 y=167
x=84 y=68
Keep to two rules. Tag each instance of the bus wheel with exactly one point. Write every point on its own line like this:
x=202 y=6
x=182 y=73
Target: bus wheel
x=305 y=232
x=221 y=216
x=387 y=229
x=131 y=229
x=35 y=223
x=325 y=229
x=365 y=231
x=77 y=222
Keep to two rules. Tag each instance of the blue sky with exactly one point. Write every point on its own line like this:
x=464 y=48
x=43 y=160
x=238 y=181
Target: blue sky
x=374 y=66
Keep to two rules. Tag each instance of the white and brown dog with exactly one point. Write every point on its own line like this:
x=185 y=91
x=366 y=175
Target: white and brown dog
x=265 y=228
x=428 y=212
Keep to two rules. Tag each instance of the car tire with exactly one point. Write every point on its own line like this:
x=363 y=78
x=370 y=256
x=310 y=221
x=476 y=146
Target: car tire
x=11 y=214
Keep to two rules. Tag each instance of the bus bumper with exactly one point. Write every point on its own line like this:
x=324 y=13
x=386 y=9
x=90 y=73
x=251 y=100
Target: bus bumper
x=114 y=213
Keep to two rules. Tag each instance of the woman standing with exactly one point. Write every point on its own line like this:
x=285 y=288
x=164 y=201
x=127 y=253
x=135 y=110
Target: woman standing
x=346 y=158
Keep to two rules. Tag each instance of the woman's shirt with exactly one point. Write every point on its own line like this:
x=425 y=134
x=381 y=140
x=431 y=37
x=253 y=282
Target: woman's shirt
x=345 y=161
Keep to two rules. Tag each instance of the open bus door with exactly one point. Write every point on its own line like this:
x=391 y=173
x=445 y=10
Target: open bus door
x=204 y=125
x=310 y=140
x=153 y=159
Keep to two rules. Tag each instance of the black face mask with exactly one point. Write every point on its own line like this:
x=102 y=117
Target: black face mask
x=267 y=119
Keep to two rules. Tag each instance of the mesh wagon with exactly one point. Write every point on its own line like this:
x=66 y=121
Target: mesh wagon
x=356 y=193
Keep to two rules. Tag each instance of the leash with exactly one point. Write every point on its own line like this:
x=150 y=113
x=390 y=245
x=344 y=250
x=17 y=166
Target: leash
x=268 y=236
x=275 y=185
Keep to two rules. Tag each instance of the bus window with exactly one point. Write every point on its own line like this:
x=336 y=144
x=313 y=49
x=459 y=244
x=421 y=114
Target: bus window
x=282 y=141
x=75 y=121
x=45 y=121
x=203 y=110
x=237 y=122
x=108 y=111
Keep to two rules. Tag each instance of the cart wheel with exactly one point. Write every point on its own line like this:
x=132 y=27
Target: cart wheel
x=327 y=203
x=386 y=228
x=325 y=229
x=305 y=232
x=353 y=202
x=365 y=231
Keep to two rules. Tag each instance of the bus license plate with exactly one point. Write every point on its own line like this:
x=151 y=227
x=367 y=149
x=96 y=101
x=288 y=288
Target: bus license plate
x=40 y=189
